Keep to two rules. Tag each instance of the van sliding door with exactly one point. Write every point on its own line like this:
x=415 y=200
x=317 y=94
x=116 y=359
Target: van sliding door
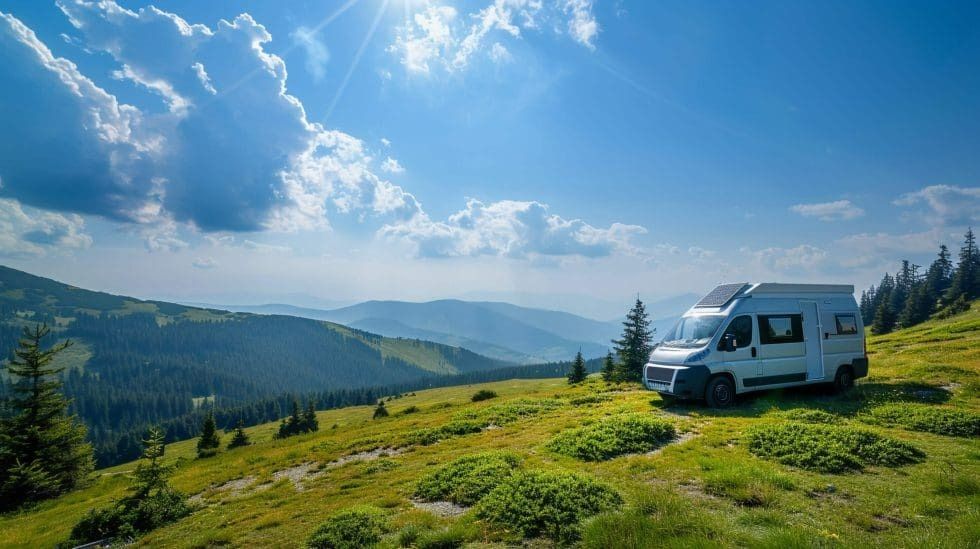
x=813 y=342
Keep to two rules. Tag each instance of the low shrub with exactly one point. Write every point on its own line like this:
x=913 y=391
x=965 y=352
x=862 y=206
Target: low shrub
x=508 y=412
x=483 y=394
x=352 y=528
x=809 y=415
x=454 y=428
x=827 y=448
x=589 y=399
x=450 y=538
x=613 y=436
x=131 y=517
x=546 y=503
x=929 y=419
x=467 y=479
x=410 y=410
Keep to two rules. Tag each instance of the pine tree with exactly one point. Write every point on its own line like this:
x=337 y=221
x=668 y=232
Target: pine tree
x=885 y=318
x=633 y=348
x=240 y=438
x=938 y=277
x=380 y=411
x=43 y=451
x=310 y=423
x=210 y=441
x=966 y=280
x=608 y=368
x=578 y=372
x=151 y=474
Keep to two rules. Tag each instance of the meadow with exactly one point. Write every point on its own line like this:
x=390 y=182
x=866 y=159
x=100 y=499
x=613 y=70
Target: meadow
x=894 y=462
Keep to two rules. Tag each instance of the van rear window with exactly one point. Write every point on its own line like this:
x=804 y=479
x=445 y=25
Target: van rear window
x=846 y=324
x=775 y=329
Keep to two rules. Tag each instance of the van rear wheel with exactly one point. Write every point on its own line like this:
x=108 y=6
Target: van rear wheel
x=720 y=392
x=844 y=380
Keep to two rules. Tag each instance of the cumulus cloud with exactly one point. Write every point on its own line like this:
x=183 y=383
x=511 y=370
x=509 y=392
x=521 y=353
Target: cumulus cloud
x=228 y=149
x=32 y=232
x=512 y=229
x=437 y=36
x=945 y=204
x=838 y=210
x=872 y=248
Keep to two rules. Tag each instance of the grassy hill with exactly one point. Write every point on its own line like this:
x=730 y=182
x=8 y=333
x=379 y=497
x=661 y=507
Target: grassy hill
x=712 y=485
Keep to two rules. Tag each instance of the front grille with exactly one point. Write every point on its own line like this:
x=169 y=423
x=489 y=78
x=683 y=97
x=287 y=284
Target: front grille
x=658 y=373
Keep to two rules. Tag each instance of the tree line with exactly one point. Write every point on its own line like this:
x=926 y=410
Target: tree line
x=910 y=296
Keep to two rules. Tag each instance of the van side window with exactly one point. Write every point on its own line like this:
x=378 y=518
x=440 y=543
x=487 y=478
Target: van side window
x=780 y=329
x=741 y=328
x=846 y=324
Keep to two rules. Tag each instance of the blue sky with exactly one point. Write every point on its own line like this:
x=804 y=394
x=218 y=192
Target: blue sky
x=565 y=154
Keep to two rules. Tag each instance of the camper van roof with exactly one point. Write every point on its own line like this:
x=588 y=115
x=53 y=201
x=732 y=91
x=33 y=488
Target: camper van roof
x=776 y=288
x=725 y=293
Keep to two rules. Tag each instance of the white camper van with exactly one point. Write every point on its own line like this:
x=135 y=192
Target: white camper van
x=749 y=337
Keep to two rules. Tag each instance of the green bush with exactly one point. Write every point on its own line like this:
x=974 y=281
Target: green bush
x=454 y=428
x=589 y=399
x=808 y=415
x=827 y=448
x=451 y=538
x=410 y=410
x=508 y=412
x=545 y=503
x=930 y=419
x=131 y=517
x=483 y=394
x=352 y=528
x=467 y=479
x=614 y=436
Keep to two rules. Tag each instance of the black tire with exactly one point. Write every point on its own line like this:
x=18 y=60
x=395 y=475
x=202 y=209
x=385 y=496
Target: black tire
x=844 y=380
x=720 y=392
x=668 y=399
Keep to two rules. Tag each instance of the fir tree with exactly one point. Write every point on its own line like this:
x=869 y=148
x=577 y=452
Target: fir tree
x=240 y=438
x=210 y=441
x=151 y=474
x=578 y=372
x=966 y=280
x=43 y=451
x=380 y=411
x=608 y=367
x=310 y=423
x=938 y=277
x=885 y=318
x=633 y=348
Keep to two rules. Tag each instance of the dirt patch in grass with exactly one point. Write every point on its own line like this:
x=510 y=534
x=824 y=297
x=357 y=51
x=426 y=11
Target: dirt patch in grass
x=441 y=508
x=827 y=448
x=233 y=487
x=310 y=470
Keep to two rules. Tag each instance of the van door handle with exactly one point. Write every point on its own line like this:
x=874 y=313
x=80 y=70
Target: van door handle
x=753 y=352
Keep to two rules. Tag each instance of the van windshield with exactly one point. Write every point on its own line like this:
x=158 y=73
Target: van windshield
x=693 y=331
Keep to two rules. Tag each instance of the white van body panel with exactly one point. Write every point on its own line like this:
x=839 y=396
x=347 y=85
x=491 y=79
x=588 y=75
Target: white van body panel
x=786 y=335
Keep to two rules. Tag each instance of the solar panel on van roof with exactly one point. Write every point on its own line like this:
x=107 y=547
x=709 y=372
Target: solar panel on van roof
x=721 y=295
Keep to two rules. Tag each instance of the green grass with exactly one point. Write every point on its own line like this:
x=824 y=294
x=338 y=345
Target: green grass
x=929 y=419
x=705 y=489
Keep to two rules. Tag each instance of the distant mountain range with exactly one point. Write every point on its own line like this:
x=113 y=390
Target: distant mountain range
x=493 y=329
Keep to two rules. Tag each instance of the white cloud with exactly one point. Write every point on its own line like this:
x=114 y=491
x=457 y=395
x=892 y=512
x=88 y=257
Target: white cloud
x=317 y=54
x=205 y=263
x=829 y=211
x=513 y=229
x=946 y=204
x=873 y=248
x=437 y=36
x=582 y=25
x=34 y=232
x=802 y=258
x=391 y=165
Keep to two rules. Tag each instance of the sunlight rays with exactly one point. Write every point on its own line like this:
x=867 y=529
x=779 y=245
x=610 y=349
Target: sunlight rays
x=357 y=58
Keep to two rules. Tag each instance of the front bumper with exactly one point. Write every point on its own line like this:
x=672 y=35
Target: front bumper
x=679 y=381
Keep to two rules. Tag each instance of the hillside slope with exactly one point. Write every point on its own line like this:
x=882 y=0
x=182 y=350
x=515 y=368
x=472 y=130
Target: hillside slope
x=138 y=362
x=704 y=489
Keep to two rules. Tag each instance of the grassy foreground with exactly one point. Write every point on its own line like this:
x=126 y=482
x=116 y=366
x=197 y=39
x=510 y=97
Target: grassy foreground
x=918 y=488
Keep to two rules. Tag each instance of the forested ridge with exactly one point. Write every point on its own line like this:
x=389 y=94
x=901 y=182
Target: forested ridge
x=144 y=362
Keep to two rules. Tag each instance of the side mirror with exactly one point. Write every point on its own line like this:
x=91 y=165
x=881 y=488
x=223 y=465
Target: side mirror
x=727 y=343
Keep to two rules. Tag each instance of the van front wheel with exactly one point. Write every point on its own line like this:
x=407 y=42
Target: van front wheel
x=720 y=392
